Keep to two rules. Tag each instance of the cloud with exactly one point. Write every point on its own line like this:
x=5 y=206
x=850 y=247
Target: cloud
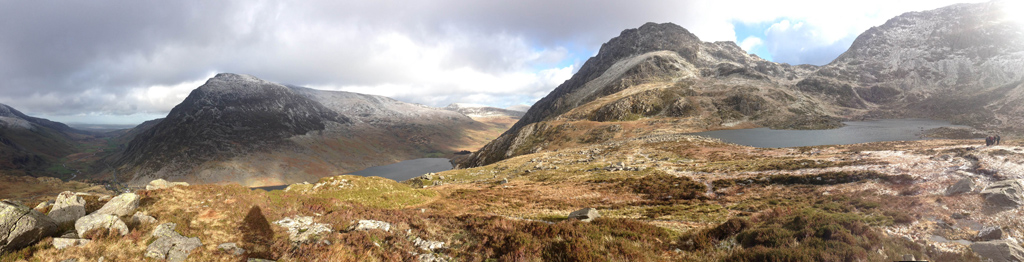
x=750 y=43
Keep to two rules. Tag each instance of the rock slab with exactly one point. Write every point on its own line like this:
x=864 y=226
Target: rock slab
x=67 y=208
x=21 y=226
x=1004 y=194
x=102 y=221
x=231 y=248
x=170 y=245
x=161 y=184
x=990 y=233
x=965 y=185
x=62 y=243
x=585 y=215
x=121 y=205
x=302 y=228
x=364 y=225
x=999 y=250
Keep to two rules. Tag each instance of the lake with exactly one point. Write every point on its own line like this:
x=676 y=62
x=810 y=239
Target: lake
x=853 y=133
x=400 y=171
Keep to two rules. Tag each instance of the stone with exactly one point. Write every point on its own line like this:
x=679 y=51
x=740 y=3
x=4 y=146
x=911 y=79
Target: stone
x=965 y=185
x=43 y=205
x=161 y=184
x=259 y=260
x=67 y=208
x=1004 y=194
x=503 y=181
x=103 y=221
x=909 y=257
x=585 y=215
x=990 y=233
x=62 y=243
x=364 y=225
x=231 y=248
x=70 y=260
x=999 y=250
x=140 y=218
x=22 y=226
x=121 y=205
x=170 y=245
x=302 y=228
x=427 y=244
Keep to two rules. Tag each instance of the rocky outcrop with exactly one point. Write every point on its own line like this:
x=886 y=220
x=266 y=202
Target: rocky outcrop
x=102 y=222
x=585 y=215
x=21 y=226
x=62 y=243
x=999 y=250
x=161 y=184
x=67 y=208
x=364 y=225
x=121 y=205
x=170 y=245
x=302 y=229
x=965 y=185
x=1004 y=194
x=990 y=233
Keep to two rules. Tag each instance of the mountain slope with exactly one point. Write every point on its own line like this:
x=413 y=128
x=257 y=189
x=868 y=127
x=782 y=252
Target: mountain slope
x=478 y=111
x=31 y=146
x=660 y=78
x=238 y=128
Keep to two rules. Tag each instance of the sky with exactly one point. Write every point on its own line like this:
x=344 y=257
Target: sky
x=124 y=62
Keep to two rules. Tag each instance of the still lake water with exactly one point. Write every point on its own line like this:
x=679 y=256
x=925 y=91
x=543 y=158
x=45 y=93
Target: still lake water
x=852 y=133
x=400 y=171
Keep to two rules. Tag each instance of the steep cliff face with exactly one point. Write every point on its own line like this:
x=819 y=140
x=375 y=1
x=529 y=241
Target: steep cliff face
x=962 y=63
x=238 y=128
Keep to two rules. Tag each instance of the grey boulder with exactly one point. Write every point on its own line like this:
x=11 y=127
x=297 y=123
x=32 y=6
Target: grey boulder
x=21 y=226
x=1004 y=194
x=585 y=215
x=67 y=208
x=161 y=184
x=364 y=225
x=999 y=250
x=62 y=243
x=100 y=221
x=965 y=185
x=231 y=248
x=140 y=218
x=170 y=245
x=990 y=233
x=121 y=205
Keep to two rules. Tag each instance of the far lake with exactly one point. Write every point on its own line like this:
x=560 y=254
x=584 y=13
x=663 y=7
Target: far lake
x=852 y=133
x=400 y=171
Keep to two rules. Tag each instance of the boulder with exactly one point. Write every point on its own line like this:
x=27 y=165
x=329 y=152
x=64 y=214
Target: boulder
x=231 y=248
x=42 y=206
x=427 y=244
x=22 y=226
x=999 y=250
x=364 y=225
x=161 y=184
x=170 y=245
x=121 y=205
x=62 y=243
x=585 y=215
x=302 y=229
x=259 y=260
x=990 y=233
x=67 y=208
x=140 y=218
x=965 y=185
x=1004 y=194
x=103 y=221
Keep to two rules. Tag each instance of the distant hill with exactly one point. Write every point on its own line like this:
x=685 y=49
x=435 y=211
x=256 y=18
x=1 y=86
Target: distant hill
x=33 y=146
x=472 y=110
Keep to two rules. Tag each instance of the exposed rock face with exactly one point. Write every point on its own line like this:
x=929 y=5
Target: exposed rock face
x=170 y=245
x=1004 y=194
x=363 y=225
x=121 y=205
x=62 y=243
x=585 y=215
x=427 y=244
x=67 y=208
x=21 y=226
x=161 y=184
x=999 y=250
x=302 y=229
x=100 y=221
x=231 y=248
x=965 y=185
x=990 y=233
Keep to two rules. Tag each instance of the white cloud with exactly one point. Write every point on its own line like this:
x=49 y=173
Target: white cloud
x=748 y=44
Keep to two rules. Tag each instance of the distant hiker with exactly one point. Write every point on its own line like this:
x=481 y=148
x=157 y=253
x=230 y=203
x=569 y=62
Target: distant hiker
x=988 y=141
x=998 y=139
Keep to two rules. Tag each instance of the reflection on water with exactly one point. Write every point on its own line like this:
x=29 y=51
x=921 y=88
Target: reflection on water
x=852 y=133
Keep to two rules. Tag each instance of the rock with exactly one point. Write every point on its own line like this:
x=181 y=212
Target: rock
x=503 y=181
x=231 y=248
x=585 y=215
x=302 y=229
x=364 y=225
x=70 y=234
x=67 y=208
x=70 y=260
x=259 y=260
x=990 y=233
x=161 y=184
x=121 y=205
x=142 y=218
x=909 y=257
x=104 y=221
x=999 y=250
x=22 y=226
x=965 y=185
x=43 y=205
x=1004 y=194
x=62 y=243
x=170 y=245
x=427 y=244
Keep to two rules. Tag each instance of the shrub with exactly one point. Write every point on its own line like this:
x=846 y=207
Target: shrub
x=664 y=187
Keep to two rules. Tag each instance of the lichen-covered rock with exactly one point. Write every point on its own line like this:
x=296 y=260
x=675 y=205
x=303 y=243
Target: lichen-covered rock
x=302 y=228
x=142 y=218
x=161 y=184
x=62 y=243
x=121 y=205
x=999 y=250
x=67 y=208
x=364 y=225
x=102 y=221
x=22 y=226
x=427 y=244
x=1004 y=194
x=585 y=215
x=965 y=185
x=170 y=245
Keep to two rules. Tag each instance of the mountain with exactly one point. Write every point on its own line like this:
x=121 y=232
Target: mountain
x=31 y=146
x=476 y=111
x=520 y=108
x=961 y=63
x=238 y=128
